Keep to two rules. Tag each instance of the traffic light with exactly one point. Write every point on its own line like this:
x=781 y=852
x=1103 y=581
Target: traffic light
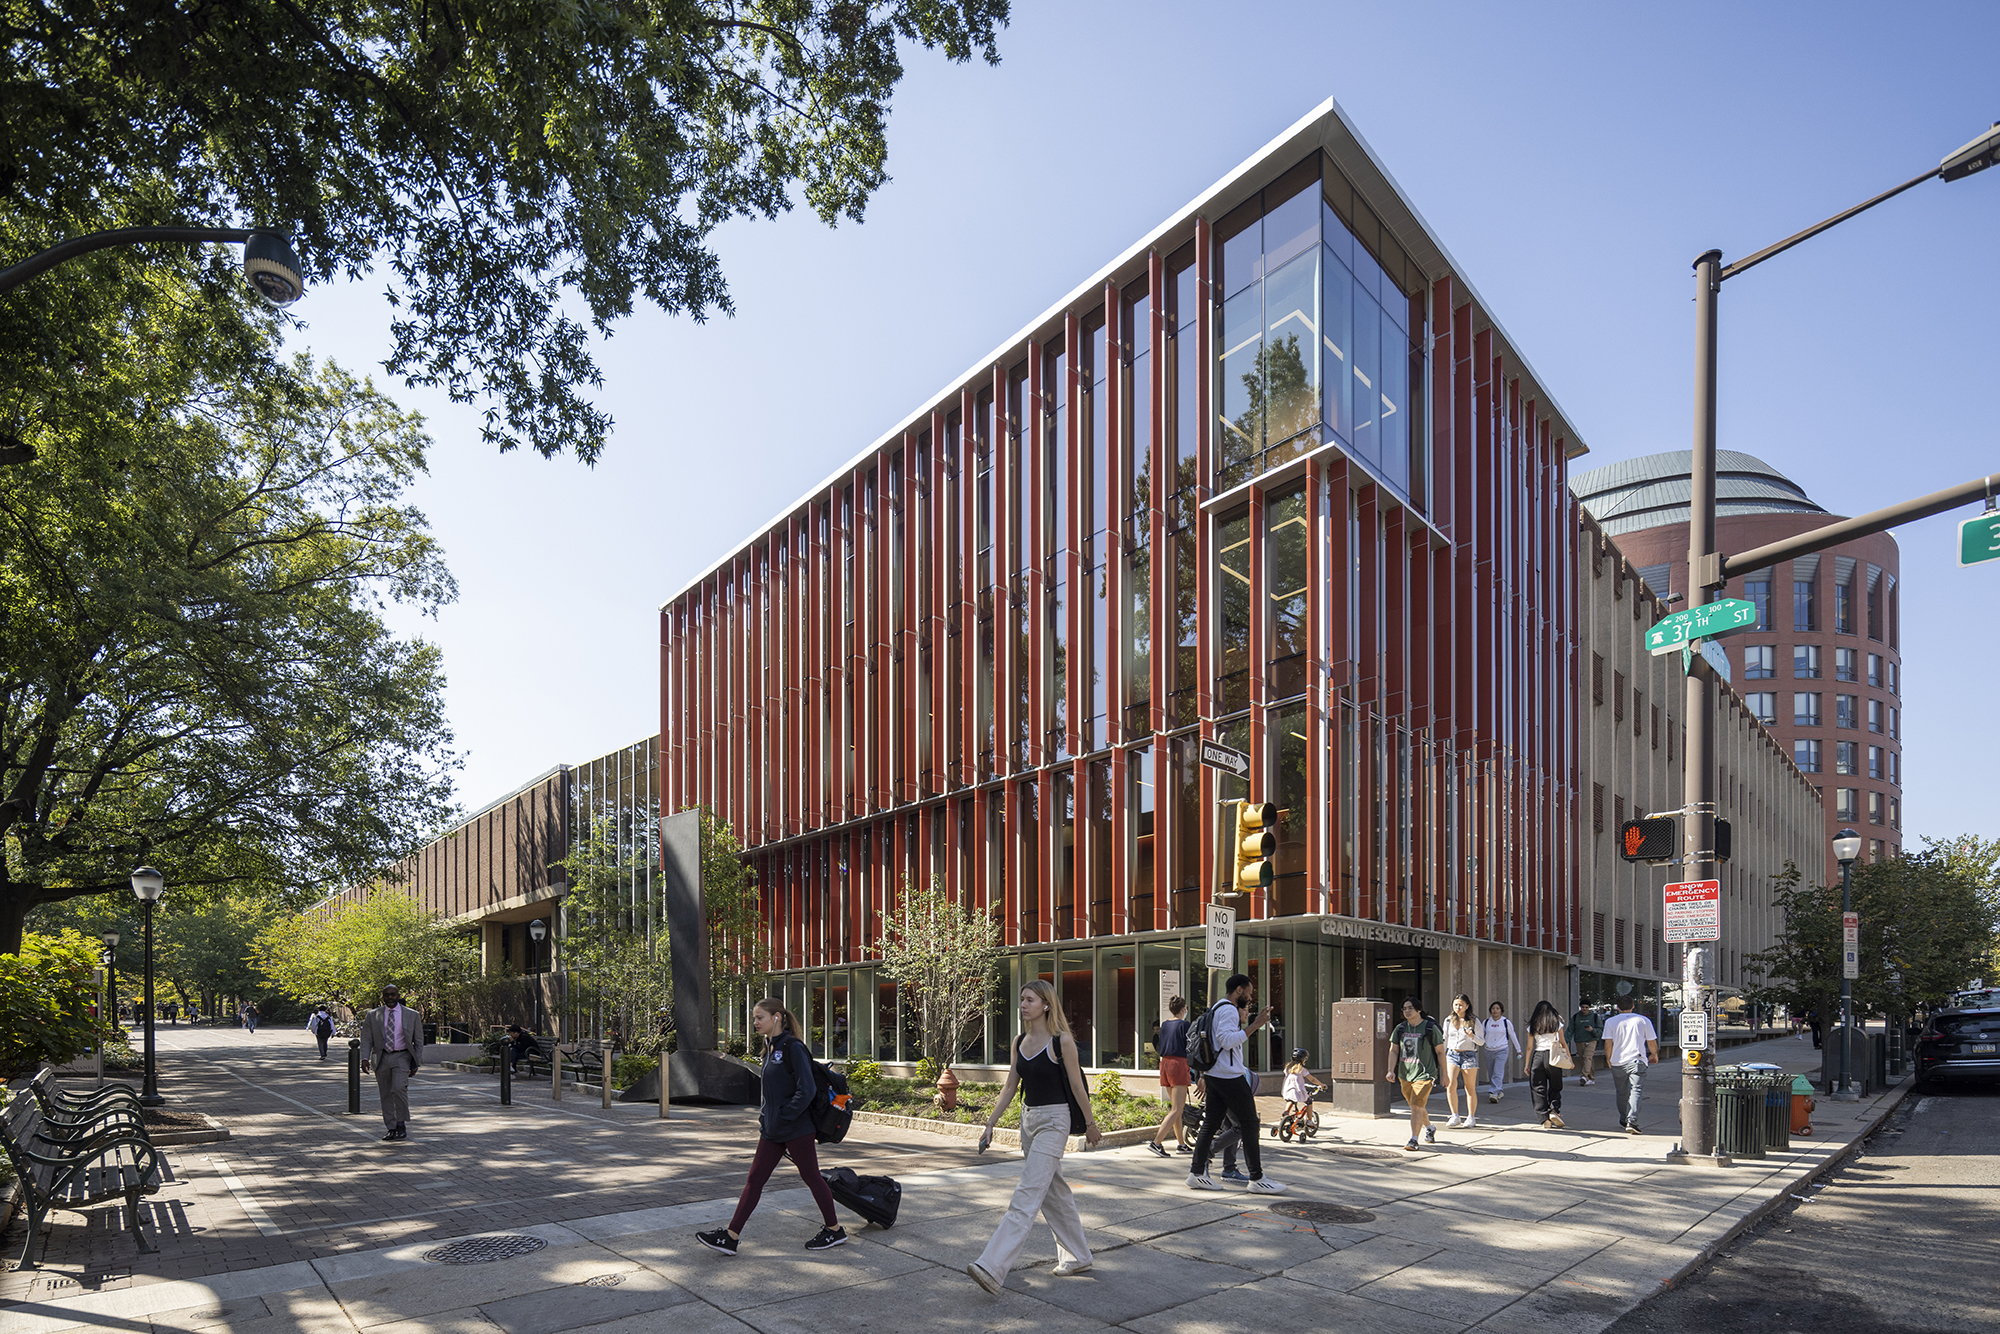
x=1654 y=839
x=1722 y=840
x=1255 y=840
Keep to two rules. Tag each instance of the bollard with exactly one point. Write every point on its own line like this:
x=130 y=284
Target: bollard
x=665 y=1097
x=507 y=1075
x=555 y=1069
x=354 y=1076
x=604 y=1073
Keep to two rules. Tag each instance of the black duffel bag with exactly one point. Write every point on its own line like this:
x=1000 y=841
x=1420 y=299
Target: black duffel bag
x=874 y=1198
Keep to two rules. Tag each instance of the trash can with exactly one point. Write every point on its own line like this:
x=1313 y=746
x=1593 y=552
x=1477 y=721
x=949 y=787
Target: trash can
x=1739 y=1112
x=1774 y=1096
x=1802 y=1106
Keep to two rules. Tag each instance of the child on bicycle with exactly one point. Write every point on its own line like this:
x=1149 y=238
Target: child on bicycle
x=1299 y=1087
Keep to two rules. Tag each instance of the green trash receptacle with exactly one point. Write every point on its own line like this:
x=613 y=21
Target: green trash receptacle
x=1774 y=1095
x=1739 y=1112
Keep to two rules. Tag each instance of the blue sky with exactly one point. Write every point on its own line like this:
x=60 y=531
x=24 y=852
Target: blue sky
x=1573 y=158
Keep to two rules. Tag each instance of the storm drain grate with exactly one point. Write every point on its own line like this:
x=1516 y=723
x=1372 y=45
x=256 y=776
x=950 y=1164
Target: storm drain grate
x=1317 y=1211
x=485 y=1250
x=604 y=1281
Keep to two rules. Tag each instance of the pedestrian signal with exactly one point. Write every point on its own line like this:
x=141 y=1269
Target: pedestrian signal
x=1656 y=839
x=1722 y=840
x=1255 y=840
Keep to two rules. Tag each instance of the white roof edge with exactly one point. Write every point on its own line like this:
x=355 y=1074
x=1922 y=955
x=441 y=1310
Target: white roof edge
x=1308 y=129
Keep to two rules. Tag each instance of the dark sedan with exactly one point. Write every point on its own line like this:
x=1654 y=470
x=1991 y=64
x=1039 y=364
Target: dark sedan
x=1959 y=1044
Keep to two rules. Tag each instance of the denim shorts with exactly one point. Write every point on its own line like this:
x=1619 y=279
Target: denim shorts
x=1462 y=1060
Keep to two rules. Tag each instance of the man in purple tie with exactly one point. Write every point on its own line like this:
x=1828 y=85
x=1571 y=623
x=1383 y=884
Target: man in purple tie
x=392 y=1040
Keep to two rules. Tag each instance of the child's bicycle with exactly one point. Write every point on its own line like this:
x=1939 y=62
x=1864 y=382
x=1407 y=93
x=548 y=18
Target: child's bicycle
x=1302 y=1124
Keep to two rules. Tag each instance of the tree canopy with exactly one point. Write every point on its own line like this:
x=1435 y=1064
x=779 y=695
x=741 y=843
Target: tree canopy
x=523 y=172
x=194 y=668
x=1929 y=920
x=946 y=957
x=345 y=954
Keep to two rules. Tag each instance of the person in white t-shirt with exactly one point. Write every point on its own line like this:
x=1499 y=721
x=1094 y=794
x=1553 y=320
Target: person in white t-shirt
x=1631 y=1043
x=1498 y=1040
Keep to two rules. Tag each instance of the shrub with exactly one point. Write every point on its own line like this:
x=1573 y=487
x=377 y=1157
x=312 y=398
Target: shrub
x=46 y=994
x=928 y=1070
x=738 y=1047
x=1109 y=1087
x=629 y=1070
x=862 y=1075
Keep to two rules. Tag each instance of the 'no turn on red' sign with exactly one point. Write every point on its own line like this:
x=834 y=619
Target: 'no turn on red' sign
x=1693 y=911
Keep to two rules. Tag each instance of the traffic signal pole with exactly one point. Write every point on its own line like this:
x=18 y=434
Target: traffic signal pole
x=1698 y=771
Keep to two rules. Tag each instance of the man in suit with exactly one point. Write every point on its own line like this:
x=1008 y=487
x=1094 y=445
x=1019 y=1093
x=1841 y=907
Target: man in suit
x=392 y=1040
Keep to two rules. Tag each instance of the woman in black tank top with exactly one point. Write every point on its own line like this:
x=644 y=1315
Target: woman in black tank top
x=1045 y=1067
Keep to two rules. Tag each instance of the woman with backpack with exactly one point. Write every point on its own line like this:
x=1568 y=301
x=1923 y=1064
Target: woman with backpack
x=1046 y=1067
x=785 y=1129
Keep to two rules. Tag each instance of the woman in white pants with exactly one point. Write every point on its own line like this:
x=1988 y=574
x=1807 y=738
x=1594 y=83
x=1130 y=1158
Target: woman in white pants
x=1500 y=1040
x=1045 y=1066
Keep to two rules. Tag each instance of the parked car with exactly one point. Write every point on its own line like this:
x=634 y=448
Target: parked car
x=1959 y=1044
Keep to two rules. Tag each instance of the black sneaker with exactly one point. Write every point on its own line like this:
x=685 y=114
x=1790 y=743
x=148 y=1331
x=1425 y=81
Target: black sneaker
x=825 y=1239
x=718 y=1240
x=1158 y=1149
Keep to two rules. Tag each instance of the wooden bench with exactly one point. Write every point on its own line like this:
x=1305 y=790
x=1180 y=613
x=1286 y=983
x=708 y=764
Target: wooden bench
x=77 y=1165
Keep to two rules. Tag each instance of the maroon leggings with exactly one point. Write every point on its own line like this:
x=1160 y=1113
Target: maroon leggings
x=805 y=1156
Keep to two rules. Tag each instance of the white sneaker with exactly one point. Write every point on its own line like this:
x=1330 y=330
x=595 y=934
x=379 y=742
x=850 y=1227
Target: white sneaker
x=1455 y=1122
x=982 y=1278
x=1266 y=1186
x=1471 y=1123
x=1065 y=1268
x=1201 y=1182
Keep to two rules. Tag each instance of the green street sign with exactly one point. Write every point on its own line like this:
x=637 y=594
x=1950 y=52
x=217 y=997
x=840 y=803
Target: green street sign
x=1705 y=622
x=1979 y=539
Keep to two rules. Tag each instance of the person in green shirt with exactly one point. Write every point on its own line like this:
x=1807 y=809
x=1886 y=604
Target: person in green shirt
x=1586 y=1030
x=1416 y=1054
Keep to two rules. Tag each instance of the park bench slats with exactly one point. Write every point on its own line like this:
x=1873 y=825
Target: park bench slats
x=71 y=1152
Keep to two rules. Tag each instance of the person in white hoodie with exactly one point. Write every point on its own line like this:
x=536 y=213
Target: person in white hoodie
x=1500 y=1041
x=1230 y=1092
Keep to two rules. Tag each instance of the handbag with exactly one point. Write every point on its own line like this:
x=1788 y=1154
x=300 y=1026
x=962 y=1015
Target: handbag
x=1559 y=1055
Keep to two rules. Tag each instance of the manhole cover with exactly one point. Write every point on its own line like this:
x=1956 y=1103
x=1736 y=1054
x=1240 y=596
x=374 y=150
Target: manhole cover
x=1316 y=1211
x=604 y=1281
x=485 y=1250
x=1355 y=1151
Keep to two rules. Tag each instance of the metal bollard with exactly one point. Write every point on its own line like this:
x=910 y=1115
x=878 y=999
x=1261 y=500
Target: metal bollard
x=666 y=1098
x=354 y=1076
x=507 y=1075
x=604 y=1073
x=555 y=1069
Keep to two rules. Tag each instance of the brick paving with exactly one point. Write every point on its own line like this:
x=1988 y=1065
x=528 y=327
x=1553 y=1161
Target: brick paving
x=299 y=1179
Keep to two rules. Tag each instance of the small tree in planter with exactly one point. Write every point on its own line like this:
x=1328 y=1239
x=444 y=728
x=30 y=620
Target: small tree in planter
x=943 y=955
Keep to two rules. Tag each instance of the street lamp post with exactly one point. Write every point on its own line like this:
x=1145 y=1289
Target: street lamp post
x=1708 y=571
x=537 y=930
x=1846 y=847
x=147 y=884
x=269 y=265
x=110 y=939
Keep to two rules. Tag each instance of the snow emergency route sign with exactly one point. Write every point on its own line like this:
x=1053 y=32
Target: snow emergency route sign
x=1693 y=912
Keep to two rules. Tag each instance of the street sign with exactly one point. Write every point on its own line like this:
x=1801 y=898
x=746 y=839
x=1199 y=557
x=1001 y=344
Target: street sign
x=1218 y=756
x=1693 y=912
x=1850 y=928
x=1716 y=618
x=1979 y=539
x=1221 y=936
x=1716 y=656
x=1694 y=1030
x=1850 y=961
x=1850 y=944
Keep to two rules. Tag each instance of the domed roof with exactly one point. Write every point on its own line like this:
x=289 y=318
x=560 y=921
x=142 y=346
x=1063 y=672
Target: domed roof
x=1656 y=489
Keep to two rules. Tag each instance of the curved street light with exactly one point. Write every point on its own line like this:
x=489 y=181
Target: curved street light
x=269 y=264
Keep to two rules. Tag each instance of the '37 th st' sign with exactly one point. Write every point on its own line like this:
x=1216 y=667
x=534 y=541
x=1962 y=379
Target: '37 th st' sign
x=1684 y=627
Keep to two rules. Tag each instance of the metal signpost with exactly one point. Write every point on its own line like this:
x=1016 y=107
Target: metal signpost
x=1979 y=539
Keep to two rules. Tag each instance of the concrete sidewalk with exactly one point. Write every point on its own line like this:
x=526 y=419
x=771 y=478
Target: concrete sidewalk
x=1508 y=1227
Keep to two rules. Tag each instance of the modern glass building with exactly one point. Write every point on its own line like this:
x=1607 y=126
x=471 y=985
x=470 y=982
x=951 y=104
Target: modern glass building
x=1275 y=477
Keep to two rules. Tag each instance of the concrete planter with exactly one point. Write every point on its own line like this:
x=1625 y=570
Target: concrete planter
x=215 y=1134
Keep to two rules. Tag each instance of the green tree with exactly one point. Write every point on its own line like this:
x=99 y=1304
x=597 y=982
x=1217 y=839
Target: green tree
x=204 y=950
x=1928 y=921
x=194 y=669
x=611 y=960
x=46 y=993
x=346 y=954
x=944 y=956
x=738 y=958
x=508 y=165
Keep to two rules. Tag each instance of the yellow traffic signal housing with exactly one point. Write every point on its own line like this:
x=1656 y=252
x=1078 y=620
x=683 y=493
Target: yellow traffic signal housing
x=1255 y=840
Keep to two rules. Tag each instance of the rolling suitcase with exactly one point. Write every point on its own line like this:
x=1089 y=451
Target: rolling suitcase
x=874 y=1198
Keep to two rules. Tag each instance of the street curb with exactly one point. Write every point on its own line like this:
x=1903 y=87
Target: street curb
x=1760 y=1212
x=1111 y=1139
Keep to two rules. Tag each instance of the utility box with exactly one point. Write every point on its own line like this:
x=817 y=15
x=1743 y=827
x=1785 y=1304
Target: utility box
x=1360 y=1084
